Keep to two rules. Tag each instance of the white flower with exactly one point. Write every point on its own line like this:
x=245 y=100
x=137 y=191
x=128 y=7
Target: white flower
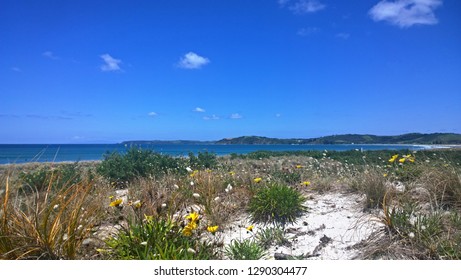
x=229 y=188
x=190 y=250
x=411 y=235
x=191 y=183
x=55 y=207
x=79 y=227
x=196 y=195
x=175 y=186
x=163 y=205
x=423 y=227
x=144 y=243
x=189 y=169
x=217 y=199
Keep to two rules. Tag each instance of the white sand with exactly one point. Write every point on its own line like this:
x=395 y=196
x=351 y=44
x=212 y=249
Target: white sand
x=333 y=224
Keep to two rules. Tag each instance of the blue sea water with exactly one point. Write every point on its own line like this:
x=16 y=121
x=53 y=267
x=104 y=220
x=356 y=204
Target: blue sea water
x=24 y=153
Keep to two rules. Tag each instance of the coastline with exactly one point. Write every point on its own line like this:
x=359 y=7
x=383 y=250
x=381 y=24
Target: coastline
x=183 y=150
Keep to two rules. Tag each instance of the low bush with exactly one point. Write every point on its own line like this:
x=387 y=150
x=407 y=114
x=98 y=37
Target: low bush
x=276 y=204
x=135 y=163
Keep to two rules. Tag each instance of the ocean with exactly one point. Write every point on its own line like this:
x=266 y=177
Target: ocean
x=25 y=153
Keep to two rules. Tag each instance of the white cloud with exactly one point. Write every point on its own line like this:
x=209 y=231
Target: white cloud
x=212 y=117
x=405 y=13
x=110 y=63
x=303 y=6
x=236 y=116
x=16 y=69
x=344 y=36
x=199 y=110
x=278 y=115
x=308 y=31
x=152 y=114
x=50 y=55
x=192 y=60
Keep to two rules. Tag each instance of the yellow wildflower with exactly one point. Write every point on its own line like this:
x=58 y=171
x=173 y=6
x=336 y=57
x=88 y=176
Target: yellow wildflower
x=232 y=173
x=250 y=228
x=385 y=175
x=257 y=180
x=393 y=158
x=306 y=183
x=193 y=217
x=299 y=166
x=116 y=202
x=194 y=173
x=187 y=230
x=402 y=160
x=212 y=229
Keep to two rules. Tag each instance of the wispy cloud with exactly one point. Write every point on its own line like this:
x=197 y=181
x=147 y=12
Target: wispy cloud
x=302 y=6
x=278 y=115
x=212 y=117
x=50 y=55
x=308 y=31
x=110 y=63
x=152 y=114
x=344 y=36
x=192 y=60
x=236 y=116
x=199 y=110
x=16 y=69
x=406 y=13
x=46 y=117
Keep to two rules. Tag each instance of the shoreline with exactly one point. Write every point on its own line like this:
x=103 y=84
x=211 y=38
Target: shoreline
x=417 y=147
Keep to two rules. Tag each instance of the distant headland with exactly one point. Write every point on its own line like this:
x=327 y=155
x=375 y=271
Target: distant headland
x=410 y=138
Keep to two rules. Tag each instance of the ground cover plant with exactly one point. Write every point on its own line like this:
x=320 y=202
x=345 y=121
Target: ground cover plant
x=144 y=205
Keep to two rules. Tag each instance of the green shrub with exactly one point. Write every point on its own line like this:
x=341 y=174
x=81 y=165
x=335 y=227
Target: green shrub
x=203 y=160
x=122 y=168
x=158 y=239
x=276 y=204
x=246 y=249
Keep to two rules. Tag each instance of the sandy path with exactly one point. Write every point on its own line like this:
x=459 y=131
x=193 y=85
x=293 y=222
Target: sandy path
x=333 y=224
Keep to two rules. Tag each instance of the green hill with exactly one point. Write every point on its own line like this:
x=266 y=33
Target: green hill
x=411 y=138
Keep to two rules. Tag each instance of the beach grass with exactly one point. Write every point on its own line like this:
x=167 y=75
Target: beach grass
x=144 y=205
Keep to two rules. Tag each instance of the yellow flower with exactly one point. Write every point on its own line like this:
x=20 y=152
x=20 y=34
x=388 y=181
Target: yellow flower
x=193 y=217
x=306 y=183
x=411 y=159
x=194 y=173
x=250 y=228
x=393 y=158
x=257 y=180
x=116 y=202
x=385 y=175
x=299 y=166
x=187 y=230
x=111 y=197
x=212 y=229
x=402 y=160
x=232 y=173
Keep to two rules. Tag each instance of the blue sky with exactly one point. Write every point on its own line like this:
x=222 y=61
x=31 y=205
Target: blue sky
x=108 y=71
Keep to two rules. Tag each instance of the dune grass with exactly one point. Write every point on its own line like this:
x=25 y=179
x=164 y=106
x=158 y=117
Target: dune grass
x=159 y=207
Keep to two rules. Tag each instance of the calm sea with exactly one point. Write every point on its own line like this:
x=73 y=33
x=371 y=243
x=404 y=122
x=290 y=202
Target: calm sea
x=22 y=153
